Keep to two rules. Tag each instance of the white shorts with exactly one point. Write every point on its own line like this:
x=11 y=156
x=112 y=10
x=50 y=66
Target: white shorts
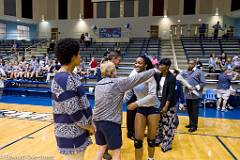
x=225 y=94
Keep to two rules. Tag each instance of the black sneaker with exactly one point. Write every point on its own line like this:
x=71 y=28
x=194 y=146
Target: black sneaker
x=130 y=135
x=157 y=144
x=107 y=156
x=193 y=129
x=188 y=126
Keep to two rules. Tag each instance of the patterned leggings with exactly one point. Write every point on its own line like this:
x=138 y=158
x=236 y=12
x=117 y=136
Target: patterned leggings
x=167 y=126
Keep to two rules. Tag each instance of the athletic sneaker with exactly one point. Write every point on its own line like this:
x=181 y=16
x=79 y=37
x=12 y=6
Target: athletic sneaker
x=230 y=107
x=1 y=114
x=224 y=110
x=107 y=156
x=218 y=108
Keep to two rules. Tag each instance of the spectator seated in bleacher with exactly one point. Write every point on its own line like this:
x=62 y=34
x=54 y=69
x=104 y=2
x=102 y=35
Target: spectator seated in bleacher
x=223 y=60
x=2 y=71
x=224 y=86
x=36 y=69
x=212 y=63
x=228 y=64
x=27 y=71
x=55 y=66
x=15 y=70
x=236 y=63
x=154 y=60
x=79 y=70
x=92 y=66
x=15 y=47
x=8 y=69
x=105 y=55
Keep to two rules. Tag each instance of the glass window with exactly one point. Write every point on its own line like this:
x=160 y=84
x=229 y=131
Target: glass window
x=23 y=32
x=2 y=31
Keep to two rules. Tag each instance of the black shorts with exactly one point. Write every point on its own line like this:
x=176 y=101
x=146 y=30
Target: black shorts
x=146 y=111
x=108 y=133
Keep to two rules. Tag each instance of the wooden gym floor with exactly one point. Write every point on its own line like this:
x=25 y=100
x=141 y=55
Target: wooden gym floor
x=33 y=139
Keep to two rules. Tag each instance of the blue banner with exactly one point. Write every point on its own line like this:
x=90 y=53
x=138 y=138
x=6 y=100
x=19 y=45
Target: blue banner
x=110 y=32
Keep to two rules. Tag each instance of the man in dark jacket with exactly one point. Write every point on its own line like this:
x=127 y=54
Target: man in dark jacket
x=167 y=95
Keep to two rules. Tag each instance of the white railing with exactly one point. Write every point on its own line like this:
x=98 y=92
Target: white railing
x=28 y=50
x=173 y=52
x=11 y=56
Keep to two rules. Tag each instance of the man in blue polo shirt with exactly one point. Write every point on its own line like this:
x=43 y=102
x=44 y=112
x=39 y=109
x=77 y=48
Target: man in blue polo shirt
x=223 y=88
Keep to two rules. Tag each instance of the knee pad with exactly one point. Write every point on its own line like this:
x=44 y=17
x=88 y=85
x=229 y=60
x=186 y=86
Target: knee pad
x=138 y=143
x=151 y=143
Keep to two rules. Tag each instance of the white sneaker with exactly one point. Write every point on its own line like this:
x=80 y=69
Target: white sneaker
x=230 y=107
x=224 y=110
x=218 y=108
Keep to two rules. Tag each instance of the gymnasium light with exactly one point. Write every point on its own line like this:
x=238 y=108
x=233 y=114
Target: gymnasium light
x=199 y=20
x=43 y=18
x=179 y=21
x=165 y=13
x=80 y=17
x=216 y=13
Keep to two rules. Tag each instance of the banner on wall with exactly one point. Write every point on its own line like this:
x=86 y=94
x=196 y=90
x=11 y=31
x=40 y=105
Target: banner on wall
x=110 y=32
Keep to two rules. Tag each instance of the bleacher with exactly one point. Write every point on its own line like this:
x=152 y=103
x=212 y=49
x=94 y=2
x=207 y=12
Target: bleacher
x=194 y=48
x=202 y=48
x=129 y=51
x=6 y=46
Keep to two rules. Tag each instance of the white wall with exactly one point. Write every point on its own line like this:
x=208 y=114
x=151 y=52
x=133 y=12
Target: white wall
x=39 y=9
x=139 y=25
x=19 y=8
x=1 y=7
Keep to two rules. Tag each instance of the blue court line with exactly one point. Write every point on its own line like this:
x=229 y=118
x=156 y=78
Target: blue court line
x=26 y=136
x=44 y=101
x=228 y=150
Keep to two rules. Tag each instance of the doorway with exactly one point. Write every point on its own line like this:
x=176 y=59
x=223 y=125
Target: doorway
x=154 y=31
x=54 y=34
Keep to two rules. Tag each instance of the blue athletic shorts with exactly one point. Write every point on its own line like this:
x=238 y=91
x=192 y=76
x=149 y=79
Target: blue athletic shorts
x=108 y=133
x=146 y=111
